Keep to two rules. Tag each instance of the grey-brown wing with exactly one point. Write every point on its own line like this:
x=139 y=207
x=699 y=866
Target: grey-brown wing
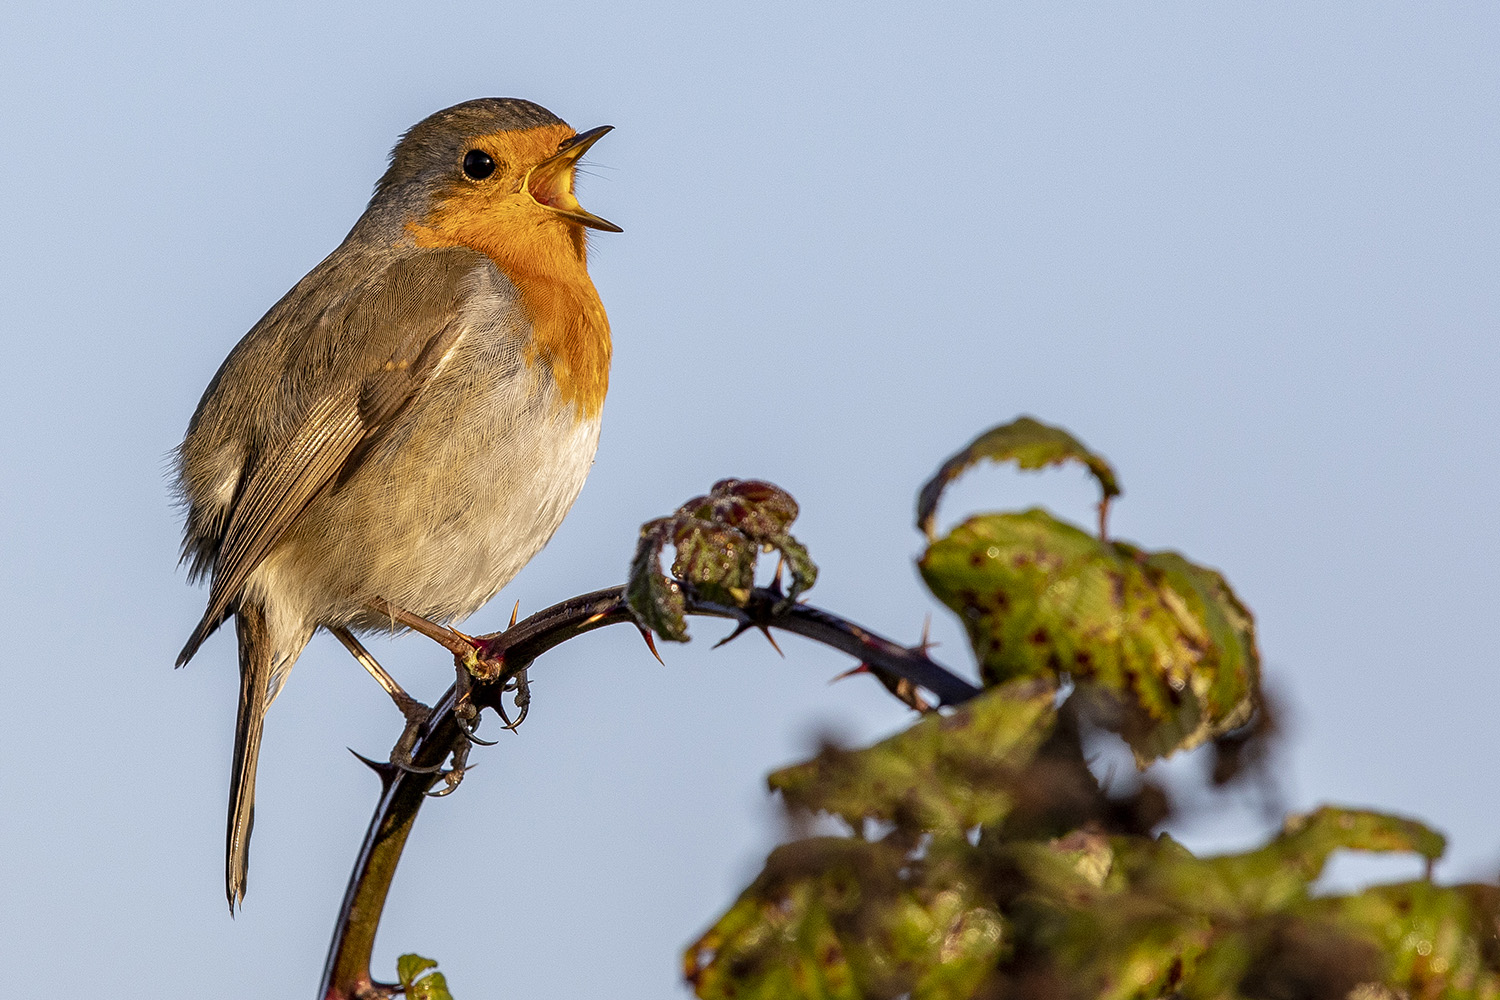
x=375 y=352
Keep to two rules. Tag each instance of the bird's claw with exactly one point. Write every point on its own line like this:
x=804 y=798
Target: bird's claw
x=454 y=775
x=467 y=717
x=410 y=768
x=522 y=699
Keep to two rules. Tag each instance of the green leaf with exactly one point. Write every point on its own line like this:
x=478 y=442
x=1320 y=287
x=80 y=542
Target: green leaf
x=1162 y=650
x=837 y=918
x=932 y=912
x=1277 y=876
x=430 y=987
x=1438 y=941
x=778 y=940
x=656 y=601
x=946 y=774
x=1309 y=839
x=718 y=560
x=433 y=987
x=1138 y=916
x=408 y=967
x=717 y=539
x=1025 y=441
x=840 y=917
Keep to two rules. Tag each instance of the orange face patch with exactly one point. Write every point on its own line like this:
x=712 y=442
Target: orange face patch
x=542 y=252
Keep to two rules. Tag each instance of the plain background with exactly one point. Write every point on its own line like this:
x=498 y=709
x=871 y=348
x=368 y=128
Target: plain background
x=1249 y=252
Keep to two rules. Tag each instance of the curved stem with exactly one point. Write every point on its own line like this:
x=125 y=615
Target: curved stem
x=346 y=975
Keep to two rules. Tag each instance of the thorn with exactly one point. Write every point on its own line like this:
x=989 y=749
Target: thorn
x=594 y=618
x=775 y=585
x=739 y=630
x=386 y=771
x=766 y=631
x=514 y=612
x=925 y=643
x=862 y=668
x=651 y=643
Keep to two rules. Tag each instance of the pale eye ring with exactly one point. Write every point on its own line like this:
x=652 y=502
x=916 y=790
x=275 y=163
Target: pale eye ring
x=478 y=164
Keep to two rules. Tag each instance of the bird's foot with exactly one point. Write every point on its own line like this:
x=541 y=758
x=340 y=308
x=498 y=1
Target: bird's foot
x=468 y=652
x=484 y=659
x=417 y=715
x=486 y=663
x=478 y=660
x=467 y=714
x=521 y=698
x=455 y=774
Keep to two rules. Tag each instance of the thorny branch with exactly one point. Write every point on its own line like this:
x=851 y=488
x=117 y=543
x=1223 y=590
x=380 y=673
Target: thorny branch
x=346 y=975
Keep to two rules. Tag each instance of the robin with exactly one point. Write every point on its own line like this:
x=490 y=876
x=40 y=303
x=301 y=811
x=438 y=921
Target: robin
x=409 y=425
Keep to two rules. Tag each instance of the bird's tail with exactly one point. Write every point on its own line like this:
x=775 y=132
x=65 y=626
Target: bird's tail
x=256 y=655
x=205 y=629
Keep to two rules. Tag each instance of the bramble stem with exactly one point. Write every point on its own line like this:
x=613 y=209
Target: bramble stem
x=346 y=975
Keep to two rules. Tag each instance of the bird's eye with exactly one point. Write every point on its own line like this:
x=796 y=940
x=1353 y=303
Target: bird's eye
x=478 y=165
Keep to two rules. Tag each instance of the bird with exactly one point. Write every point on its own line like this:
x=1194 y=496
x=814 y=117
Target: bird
x=408 y=426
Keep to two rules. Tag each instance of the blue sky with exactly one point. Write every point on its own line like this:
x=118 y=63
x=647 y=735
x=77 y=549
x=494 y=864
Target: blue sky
x=1249 y=252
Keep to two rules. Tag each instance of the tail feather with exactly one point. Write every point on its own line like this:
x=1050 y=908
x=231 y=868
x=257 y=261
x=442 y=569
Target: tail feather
x=206 y=628
x=256 y=654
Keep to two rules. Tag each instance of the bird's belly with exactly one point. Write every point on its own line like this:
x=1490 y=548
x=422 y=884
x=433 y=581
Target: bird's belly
x=442 y=516
x=458 y=555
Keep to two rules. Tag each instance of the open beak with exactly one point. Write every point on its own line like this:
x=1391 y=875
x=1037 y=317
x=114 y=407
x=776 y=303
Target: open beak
x=550 y=183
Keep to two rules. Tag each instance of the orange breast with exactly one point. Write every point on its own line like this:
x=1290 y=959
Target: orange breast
x=545 y=256
x=570 y=331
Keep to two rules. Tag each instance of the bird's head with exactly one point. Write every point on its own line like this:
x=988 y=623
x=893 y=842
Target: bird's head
x=495 y=175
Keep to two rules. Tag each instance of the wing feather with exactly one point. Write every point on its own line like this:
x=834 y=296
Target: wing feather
x=415 y=313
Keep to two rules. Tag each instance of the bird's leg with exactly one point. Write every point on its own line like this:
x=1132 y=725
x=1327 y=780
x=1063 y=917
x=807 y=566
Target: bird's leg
x=415 y=712
x=474 y=660
x=409 y=706
x=468 y=652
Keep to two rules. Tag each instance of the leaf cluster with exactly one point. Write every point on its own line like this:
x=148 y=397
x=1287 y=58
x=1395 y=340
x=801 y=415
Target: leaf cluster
x=984 y=858
x=717 y=540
